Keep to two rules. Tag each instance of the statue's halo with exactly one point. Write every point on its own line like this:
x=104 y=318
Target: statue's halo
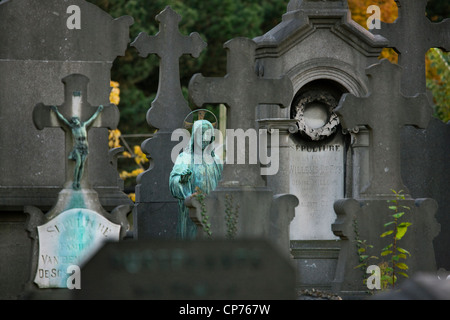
x=187 y=123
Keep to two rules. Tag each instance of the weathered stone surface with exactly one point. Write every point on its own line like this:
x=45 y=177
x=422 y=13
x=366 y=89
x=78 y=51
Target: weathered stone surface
x=425 y=161
x=384 y=110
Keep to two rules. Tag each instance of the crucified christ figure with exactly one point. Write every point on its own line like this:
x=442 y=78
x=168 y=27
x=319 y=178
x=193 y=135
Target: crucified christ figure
x=80 y=142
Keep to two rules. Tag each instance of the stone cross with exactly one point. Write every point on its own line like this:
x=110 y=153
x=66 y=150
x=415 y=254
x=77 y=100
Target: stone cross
x=412 y=35
x=157 y=209
x=75 y=105
x=241 y=90
x=384 y=110
x=169 y=44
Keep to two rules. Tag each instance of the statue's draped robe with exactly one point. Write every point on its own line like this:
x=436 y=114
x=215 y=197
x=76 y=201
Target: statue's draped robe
x=205 y=176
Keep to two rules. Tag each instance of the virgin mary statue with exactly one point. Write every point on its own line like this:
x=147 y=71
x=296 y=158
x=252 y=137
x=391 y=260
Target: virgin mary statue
x=196 y=167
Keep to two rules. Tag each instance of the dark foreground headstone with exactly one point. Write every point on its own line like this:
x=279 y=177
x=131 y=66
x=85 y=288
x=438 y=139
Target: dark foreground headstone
x=423 y=286
x=172 y=270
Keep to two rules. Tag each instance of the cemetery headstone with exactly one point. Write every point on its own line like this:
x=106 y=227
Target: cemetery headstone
x=71 y=117
x=188 y=270
x=39 y=49
x=77 y=226
x=156 y=210
x=384 y=122
x=425 y=159
x=384 y=110
x=242 y=190
x=412 y=35
x=242 y=91
x=324 y=53
x=42 y=43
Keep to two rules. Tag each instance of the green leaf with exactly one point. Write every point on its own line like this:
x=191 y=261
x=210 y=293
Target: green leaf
x=404 y=251
x=402 y=266
x=360 y=266
x=389 y=223
x=386 y=278
x=404 y=224
x=398 y=215
x=385 y=253
x=400 y=233
x=403 y=274
x=406 y=207
x=384 y=234
x=402 y=256
x=361 y=250
x=387 y=247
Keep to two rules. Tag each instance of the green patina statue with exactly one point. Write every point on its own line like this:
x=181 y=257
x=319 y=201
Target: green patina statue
x=80 y=142
x=196 y=167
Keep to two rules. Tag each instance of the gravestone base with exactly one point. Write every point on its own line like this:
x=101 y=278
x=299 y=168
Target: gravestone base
x=370 y=217
x=155 y=220
x=316 y=262
x=259 y=214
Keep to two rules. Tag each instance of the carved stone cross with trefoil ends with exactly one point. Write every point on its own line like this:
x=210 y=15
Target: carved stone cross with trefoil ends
x=169 y=44
x=412 y=35
x=75 y=116
x=241 y=90
x=384 y=110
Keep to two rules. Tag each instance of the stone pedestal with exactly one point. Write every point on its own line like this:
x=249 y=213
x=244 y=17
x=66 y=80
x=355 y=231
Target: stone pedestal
x=365 y=219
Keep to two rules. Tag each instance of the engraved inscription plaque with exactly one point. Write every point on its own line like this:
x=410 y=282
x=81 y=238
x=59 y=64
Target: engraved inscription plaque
x=317 y=179
x=70 y=239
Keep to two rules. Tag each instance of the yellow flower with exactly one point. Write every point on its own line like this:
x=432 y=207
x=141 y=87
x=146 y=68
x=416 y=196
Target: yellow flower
x=140 y=157
x=114 y=96
x=114 y=138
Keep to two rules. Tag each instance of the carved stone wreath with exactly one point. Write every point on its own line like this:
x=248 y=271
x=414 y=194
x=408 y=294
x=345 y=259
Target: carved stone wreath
x=329 y=127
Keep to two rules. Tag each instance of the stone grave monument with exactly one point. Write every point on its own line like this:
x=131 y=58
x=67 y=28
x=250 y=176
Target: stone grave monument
x=43 y=42
x=384 y=111
x=424 y=173
x=156 y=210
x=242 y=188
x=324 y=53
x=77 y=226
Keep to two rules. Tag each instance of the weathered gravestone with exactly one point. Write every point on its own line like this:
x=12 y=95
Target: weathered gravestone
x=156 y=210
x=384 y=110
x=188 y=270
x=42 y=42
x=412 y=35
x=324 y=53
x=77 y=226
x=242 y=188
x=425 y=164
